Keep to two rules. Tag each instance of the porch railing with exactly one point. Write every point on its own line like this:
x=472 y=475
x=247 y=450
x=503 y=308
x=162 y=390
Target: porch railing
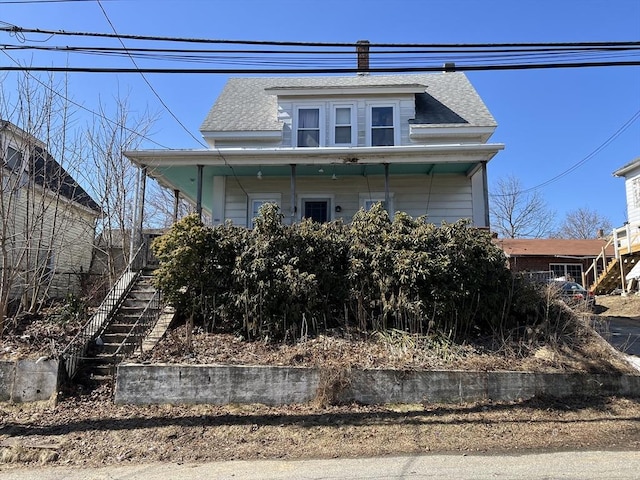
x=73 y=353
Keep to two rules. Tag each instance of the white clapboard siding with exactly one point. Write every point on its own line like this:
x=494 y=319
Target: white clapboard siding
x=445 y=198
x=49 y=223
x=632 y=188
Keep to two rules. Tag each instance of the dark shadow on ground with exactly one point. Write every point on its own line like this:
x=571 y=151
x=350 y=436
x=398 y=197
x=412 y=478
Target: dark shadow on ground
x=429 y=415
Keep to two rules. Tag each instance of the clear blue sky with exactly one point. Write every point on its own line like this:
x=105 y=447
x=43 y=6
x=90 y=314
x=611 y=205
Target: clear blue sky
x=549 y=120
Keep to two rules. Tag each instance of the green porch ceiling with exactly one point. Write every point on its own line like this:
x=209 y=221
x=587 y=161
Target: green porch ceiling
x=184 y=178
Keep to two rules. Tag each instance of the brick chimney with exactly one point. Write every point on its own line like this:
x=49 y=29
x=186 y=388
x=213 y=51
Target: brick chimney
x=362 y=48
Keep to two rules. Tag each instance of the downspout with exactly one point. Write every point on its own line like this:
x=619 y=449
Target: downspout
x=176 y=204
x=387 y=199
x=293 y=194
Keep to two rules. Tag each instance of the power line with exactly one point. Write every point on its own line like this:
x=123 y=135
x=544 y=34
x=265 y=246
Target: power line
x=153 y=90
x=76 y=104
x=302 y=71
x=581 y=162
x=16 y=29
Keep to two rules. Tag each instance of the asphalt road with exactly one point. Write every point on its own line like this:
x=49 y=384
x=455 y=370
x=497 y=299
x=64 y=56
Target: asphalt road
x=599 y=465
x=623 y=334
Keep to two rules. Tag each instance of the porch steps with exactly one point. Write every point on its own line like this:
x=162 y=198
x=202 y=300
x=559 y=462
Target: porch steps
x=115 y=342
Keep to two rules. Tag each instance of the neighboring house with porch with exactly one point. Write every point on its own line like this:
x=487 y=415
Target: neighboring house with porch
x=48 y=221
x=323 y=147
x=554 y=257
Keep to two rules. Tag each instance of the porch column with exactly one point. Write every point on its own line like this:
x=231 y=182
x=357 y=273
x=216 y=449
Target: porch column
x=387 y=199
x=485 y=193
x=293 y=194
x=136 y=229
x=199 y=192
x=176 y=204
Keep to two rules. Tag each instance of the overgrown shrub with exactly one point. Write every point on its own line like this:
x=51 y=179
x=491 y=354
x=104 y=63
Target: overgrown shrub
x=283 y=282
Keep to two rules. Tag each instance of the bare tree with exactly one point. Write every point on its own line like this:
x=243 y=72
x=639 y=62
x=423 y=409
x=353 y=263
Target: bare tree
x=161 y=207
x=516 y=213
x=584 y=223
x=47 y=220
x=112 y=178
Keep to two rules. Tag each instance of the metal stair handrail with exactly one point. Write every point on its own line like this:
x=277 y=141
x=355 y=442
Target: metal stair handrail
x=72 y=355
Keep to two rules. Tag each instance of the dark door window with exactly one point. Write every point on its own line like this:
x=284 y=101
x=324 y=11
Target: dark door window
x=317 y=210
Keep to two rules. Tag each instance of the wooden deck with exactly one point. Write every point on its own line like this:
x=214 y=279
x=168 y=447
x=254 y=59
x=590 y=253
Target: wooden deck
x=626 y=243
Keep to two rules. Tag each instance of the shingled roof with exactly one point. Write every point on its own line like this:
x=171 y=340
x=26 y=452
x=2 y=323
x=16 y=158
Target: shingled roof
x=46 y=171
x=552 y=247
x=245 y=104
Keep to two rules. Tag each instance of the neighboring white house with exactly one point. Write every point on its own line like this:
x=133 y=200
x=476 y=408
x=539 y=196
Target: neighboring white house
x=48 y=221
x=631 y=174
x=324 y=147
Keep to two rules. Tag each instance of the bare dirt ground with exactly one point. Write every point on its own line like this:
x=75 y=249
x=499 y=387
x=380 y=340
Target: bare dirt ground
x=86 y=428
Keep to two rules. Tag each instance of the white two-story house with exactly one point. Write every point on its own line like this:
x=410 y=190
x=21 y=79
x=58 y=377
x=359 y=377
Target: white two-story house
x=324 y=147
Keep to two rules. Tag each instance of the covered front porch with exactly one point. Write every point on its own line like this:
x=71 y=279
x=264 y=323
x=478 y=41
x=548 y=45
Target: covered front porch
x=445 y=183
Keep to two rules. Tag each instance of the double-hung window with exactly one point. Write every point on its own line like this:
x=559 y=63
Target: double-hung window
x=382 y=125
x=308 y=126
x=343 y=125
x=257 y=200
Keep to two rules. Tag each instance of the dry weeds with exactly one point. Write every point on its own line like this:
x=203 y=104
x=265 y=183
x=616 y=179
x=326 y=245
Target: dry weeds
x=85 y=427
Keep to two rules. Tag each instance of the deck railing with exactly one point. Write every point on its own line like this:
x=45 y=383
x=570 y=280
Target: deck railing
x=625 y=240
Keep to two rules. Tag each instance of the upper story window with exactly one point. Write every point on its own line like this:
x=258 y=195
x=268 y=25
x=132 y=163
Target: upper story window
x=308 y=127
x=343 y=125
x=14 y=159
x=382 y=125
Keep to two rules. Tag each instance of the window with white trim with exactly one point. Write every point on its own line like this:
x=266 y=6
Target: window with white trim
x=258 y=200
x=635 y=183
x=368 y=200
x=383 y=126
x=308 y=127
x=570 y=271
x=343 y=125
x=14 y=159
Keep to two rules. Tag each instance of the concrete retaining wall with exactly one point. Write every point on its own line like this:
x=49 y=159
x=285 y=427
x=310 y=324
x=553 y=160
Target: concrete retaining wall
x=28 y=380
x=186 y=384
x=218 y=385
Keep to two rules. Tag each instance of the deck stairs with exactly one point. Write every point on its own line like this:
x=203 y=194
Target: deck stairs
x=610 y=273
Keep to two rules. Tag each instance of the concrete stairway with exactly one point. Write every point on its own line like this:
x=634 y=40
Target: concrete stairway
x=124 y=332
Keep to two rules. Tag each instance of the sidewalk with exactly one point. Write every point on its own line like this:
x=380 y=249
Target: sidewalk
x=612 y=465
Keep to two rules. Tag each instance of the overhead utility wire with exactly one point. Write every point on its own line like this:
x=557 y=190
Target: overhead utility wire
x=82 y=107
x=166 y=107
x=597 y=150
x=301 y=58
x=22 y=30
x=284 y=71
x=625 y=47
